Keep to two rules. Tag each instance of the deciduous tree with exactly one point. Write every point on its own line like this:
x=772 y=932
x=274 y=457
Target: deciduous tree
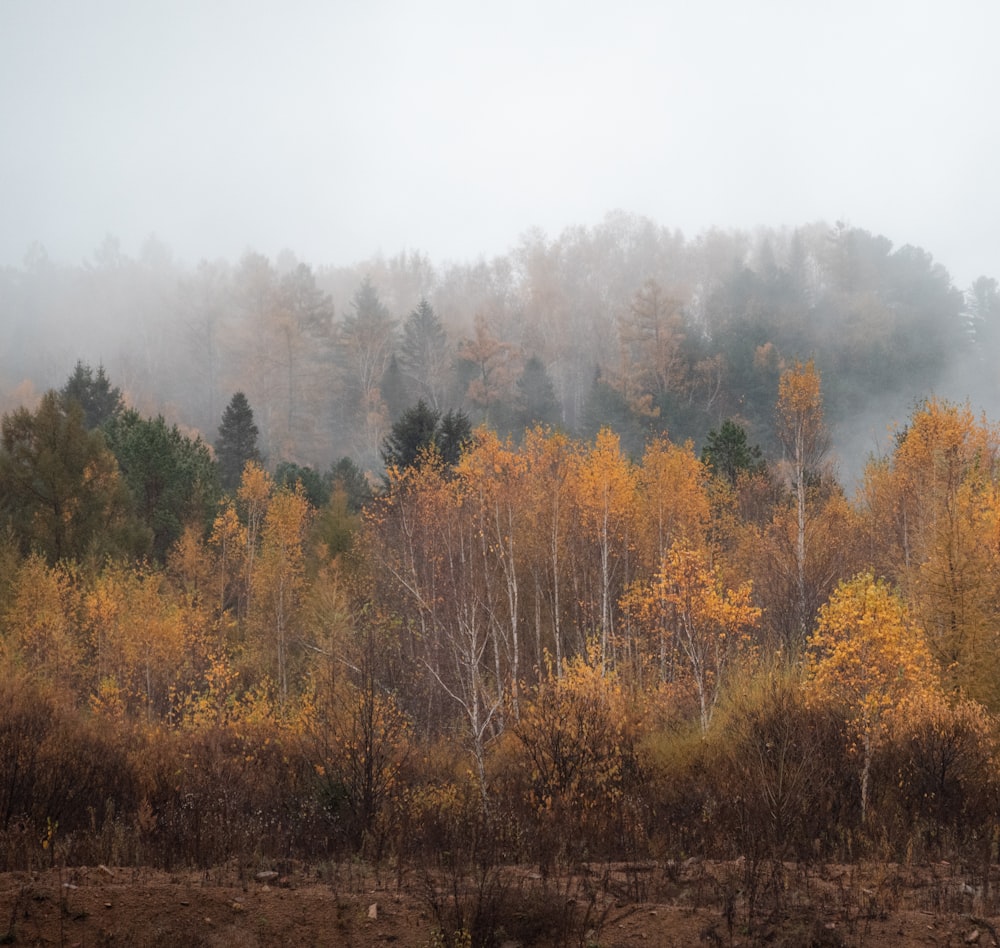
x=868 y=656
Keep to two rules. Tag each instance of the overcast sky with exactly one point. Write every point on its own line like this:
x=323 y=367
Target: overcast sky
x=342 y=128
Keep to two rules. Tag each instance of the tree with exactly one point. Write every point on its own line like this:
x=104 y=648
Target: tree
x=535 y=401
x=171 y=477
x=651 y=336
x=237 y=441
x=605 y=486
x=40 y=623
x=422 y=430
x=60 y=488
x=367 y=341
x=346 y=475
x=687 y=609
x=424 y=356
x=411 y=437
x=868 y=656
x=277 y=582
x=315 y=486
x=805 y=440
x=933 y=514
x=727 y=453
x=99 y=401
x=490 y=362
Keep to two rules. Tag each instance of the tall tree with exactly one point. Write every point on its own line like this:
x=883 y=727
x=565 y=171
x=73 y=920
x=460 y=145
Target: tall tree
x=94 y=393
x=60 y=487
x=868 y=656
x=237 y=441
x=535 y=401
x=367 y=338
x=424 y=355
x=805 y=440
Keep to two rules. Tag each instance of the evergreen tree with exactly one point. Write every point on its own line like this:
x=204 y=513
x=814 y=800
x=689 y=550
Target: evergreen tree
x=315 y=487
x=422 y=429
x=454 y=432
x=535 y=399
x=394 y=390
x=410 y=436
x=347 y=476
x=61 y=492
x=93 y=392
x=423 y=357
x=727 y=452
x=171 y=477
x=237 y=441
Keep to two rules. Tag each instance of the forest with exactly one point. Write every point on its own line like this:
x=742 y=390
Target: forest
x=585 y=553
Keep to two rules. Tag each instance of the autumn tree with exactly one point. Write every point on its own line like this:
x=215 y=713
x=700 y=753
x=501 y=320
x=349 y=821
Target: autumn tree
x=277 y=583
x=805 y=440
x=687 y=611
x=578 y=737
x=143 y=647
x=490 y=367
x=40 y=620
x=672 y=501
x=604 y=494
x=551 y=459
x=651 y=336
x=932 y=512
x=867 y=656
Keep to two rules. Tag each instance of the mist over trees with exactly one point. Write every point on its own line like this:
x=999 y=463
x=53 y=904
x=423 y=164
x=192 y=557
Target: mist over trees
x=541 y=559
x=625 y=323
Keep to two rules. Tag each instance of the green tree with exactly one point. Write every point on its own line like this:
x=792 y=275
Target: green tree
x=99 y=401
x=347 y=476
x=237 y=441
x=171 y=477
x=727 y=453
x=315 y=486
x=422 y=429
x=60 y=488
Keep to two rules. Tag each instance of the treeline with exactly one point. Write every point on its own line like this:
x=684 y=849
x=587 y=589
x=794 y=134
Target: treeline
x=625 y=324
x=540 y=649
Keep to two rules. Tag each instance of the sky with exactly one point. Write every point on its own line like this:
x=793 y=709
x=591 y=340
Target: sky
x=342 y=129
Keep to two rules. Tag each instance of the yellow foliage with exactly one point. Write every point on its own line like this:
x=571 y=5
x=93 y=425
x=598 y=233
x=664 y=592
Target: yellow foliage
x=42 y=622
x=868 y=656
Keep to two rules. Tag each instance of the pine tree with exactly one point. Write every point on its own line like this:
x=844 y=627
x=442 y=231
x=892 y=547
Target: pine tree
x=99 y=401
x=237 y=442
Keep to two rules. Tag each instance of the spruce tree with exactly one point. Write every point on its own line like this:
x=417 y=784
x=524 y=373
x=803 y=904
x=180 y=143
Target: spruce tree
x=237 y=442
x=93 y=392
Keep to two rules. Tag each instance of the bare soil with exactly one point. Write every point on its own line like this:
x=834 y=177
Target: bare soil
x=694 y=903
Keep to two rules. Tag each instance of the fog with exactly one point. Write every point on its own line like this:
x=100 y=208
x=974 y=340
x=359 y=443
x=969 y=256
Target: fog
x=525 y=167
x=338 y=130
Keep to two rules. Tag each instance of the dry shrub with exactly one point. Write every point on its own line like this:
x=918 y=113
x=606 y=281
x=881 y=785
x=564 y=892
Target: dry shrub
x=227 y=793
x=939 y=771
x=569 y=767
x=64 y=777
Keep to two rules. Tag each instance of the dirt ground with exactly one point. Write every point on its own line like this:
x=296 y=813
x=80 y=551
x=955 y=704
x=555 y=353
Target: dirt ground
x=598 y=907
